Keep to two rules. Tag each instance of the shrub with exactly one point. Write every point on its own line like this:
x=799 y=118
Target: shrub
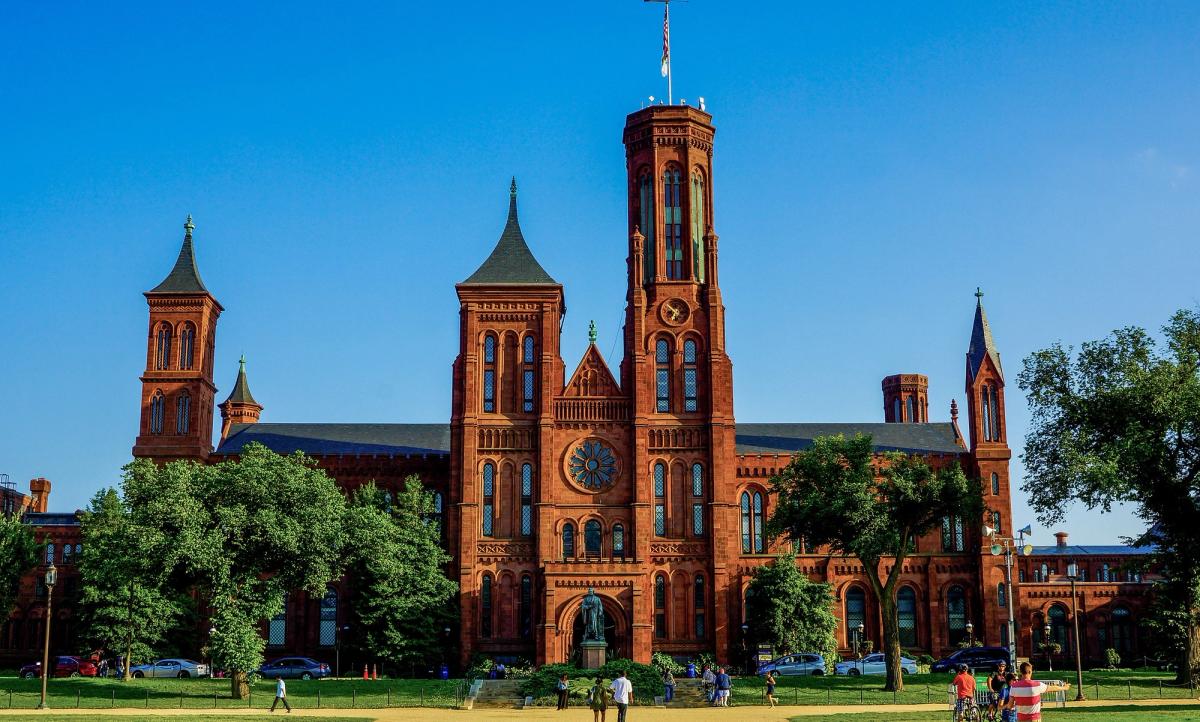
x=702 y=659
x=1112 y=658
x=479 y=667
x=647 y=681
x=664 y=662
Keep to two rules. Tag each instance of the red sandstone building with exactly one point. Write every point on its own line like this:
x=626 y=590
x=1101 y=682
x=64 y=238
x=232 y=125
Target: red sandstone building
x=552 y=479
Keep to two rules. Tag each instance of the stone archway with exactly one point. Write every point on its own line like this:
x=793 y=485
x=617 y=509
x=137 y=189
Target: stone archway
x=616 y=629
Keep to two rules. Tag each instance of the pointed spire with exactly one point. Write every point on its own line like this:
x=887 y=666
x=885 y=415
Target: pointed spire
x=184 y=277
x=982 y=344
x=954 y=410
x=511 y=261
x=241 y=389
x=592 y=333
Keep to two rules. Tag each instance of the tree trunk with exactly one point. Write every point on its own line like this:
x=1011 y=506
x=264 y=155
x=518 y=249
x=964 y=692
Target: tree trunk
x=1188 y=671
x=239 y=685
x=891 y=643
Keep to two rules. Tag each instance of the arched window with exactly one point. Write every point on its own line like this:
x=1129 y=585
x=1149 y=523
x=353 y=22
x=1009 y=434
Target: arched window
x=906 y=610
x=329 y=607
x=952 y=534
x=489 y=373
x=277 y=628
x=660 y=606
x=183 y=412
x=618 y=540
x=987 y=413
x=747 y=531
x=996 y=522
x=66 y=554
x=489 y=499
x=697 y=493
x=662 y=375
x=673 y=223
x=689 y=375
x=1045 y=573
x=158 y=407
x=568 y=540
x=956 y=614
x=1121 y=631
x=162 y=347
x=896 y=410
x=1001 y=595
x=995 y=484
x=485 y=607
x=1021 y=576
x=660 y=501
x=911 y=408
x=187 y=347
x=758 y=523
x=995 y=415
x=1057 y=617
x=698 y=225
x=593 y=538
x=437 y=512
x=698 y=605
x=526 y=499
x=526 y=606
x=527 y=376
x=50 y=553
x=647 y=217
x=856 y=611
x=1105 y=572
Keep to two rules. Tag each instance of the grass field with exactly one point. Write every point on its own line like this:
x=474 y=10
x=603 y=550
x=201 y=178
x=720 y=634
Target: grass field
x=1085 y=714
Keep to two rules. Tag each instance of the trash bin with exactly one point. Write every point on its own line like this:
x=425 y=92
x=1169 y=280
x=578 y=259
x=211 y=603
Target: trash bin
x=691 y=670
x=443 y=671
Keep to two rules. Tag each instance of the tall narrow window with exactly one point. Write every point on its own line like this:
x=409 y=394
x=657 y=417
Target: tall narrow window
x=618 y=536
x=689 y=375
x=158 y=405
x=660 y=606
x=912 y=410
x=746 y=530
x=489 y=373
x=1001 y=595
x=527 y=376
x=758 y=523
x=437 y=512
x=489 y=499
x=996 y=522
x=162 y=347
x=956 y=614
x=66 y=554
x=673 y=224
x=593 y=539
x=662 y=375
x=660 y=500
x=568 y=541
x=995 y=414
x=987 y=414
x=995 y=484
x=187 y=347
x=485 y=607
x=50 y=553
x=906 y=611
x=327 y=633
x=526 y=500
x=183 y=412
x=698 y=606
x=648 y=223
x=959 y=544
x=856 y=612
x=277 y=629
x=952 y=534
x=697 y=519
x=1121 y=630
x=526 y=606
x=896 y=417
x=1057 y=616
x=698 y=226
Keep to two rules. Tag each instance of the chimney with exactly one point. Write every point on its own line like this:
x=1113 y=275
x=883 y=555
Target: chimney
x=1062 y=539
x=39 y=491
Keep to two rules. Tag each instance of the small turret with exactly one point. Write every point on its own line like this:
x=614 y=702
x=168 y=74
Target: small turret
x=906 y=399
x=240 y=407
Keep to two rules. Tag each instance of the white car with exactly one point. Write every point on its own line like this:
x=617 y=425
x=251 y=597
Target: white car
x=873 y=664
x=181 y=668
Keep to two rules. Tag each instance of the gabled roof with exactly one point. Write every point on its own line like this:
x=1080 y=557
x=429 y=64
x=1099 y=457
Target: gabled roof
x=241 y=389
x=592 y=377
x=184 y=277
x=511 y=261
x=982 y=344
x=789 y=438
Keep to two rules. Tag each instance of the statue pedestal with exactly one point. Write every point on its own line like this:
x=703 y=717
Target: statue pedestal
x=592 y=652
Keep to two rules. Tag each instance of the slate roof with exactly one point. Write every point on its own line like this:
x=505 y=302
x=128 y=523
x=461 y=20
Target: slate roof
x=1075 y=550
x=241 y=389
x=51 y=518
x=982 y=344
x=511 y=261
x=184 y=277
x=406 y=439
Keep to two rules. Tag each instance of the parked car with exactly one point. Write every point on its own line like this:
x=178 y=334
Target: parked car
x=181 y=668
x=295 y=668
x=63 y=667
x=873 y=664
x=795 y=664
x=977 y=659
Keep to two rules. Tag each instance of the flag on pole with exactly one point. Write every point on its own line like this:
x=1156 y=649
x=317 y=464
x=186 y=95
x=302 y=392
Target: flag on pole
x=666 y=56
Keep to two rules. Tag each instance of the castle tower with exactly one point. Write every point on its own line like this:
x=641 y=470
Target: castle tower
x=906 y=398
x=240 y=407
x=177 y=385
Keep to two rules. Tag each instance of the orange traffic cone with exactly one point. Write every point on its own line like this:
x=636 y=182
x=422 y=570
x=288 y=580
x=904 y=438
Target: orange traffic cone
x=365 y=677
x=374 y=672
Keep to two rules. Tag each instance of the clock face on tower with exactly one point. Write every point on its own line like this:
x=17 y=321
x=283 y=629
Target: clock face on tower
x=593 y=465
x=674 y=311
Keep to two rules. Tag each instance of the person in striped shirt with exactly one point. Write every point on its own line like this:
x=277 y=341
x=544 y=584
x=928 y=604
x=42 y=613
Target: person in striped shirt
x=1025 y=694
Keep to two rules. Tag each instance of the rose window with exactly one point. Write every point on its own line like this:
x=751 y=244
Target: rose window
x=593 y=466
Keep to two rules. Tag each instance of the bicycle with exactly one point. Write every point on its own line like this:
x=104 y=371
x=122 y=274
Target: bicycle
x=968 y=712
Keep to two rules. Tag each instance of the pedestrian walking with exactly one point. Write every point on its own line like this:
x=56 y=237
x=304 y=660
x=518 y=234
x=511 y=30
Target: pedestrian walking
x=281 y=695
x=668 y=686
x=598 y=700
x=564 y=689
x=709 y=682
x=724 y=686
x=771 y=688
x=622 y=694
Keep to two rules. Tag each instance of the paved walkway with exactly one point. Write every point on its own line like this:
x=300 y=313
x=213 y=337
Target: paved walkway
x=703 y=714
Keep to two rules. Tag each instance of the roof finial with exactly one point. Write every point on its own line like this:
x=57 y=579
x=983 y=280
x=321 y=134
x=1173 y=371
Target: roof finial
x=953 y=410
x=242 y=362
x=512 y=189
x=188 y=226
x=978 y=295
x=592 y=332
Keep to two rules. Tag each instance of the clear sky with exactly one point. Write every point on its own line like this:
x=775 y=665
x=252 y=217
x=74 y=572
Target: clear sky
x=347 y=163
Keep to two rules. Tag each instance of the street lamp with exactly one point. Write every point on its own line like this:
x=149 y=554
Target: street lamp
x=745 y=648
x=970 y=634
x=337 y=661
x=1046 y=646
x=1073 y=575
x=858 y=643
x=51 y=578
x=212 y=630
x=1008 y=546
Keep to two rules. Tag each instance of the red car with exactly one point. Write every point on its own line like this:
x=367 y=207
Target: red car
x=63 y=667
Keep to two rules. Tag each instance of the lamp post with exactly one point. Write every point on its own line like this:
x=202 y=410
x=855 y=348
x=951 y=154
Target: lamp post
x=1046 y=645
x=1008 y=546
x=51 y=578
x=337 y=647
x=745 y=647
x=1073 y=575
x=212 y=630
x=858 y=643
x=970 y=634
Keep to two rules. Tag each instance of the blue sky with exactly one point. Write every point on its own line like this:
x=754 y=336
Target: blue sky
x=346 y=164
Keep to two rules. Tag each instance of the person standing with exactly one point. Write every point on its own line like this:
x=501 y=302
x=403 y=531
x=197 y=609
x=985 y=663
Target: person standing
x=996 y=687
x=709 y=682
x=1026 y=694
x=771 y=688
x=598 y=700
x=281 y=695
x=668 y=686
x=724 y=686
x=622 y=694
x=564 y=689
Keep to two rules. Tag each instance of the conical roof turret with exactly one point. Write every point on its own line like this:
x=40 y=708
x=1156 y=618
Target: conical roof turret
x=511 y=261
x=184 y=277
x=982 y=346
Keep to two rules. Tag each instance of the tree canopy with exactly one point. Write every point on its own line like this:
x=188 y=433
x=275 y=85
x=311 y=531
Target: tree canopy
x=19 y=552
x=787 y=610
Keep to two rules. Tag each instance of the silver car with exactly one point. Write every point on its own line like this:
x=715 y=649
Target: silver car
x=181 y=668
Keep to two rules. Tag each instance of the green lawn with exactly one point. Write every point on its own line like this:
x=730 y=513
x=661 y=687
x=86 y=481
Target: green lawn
x=1083 y=714
x=214 y=693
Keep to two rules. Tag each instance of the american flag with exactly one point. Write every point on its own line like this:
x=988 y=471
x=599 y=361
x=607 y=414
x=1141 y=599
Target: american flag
x=666 y=56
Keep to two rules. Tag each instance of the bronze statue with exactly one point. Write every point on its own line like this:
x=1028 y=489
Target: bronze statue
x=593 y=617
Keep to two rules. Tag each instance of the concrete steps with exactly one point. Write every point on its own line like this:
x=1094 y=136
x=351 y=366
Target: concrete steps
x=499 y=693
x=688 y=693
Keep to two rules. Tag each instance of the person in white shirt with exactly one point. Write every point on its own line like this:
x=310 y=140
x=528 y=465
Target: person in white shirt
x=622 y=694
x=281 y=695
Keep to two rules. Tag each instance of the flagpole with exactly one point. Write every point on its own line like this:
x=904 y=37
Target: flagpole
x=667 y=10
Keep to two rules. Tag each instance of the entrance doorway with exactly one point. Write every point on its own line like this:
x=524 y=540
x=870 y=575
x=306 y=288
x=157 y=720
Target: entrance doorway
x=616 y=644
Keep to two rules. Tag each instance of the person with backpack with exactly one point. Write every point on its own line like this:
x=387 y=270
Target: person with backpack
x=668 y=686
x=597 y=700
x=564 y=689
x=709 y=682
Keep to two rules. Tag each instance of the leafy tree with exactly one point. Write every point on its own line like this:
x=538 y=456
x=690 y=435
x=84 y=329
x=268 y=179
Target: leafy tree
x=19 y=552
x=790 y=612
x=843 y=495
x=244 y=532
x=403 y=600
x=123 y=605
x=1119 y=422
